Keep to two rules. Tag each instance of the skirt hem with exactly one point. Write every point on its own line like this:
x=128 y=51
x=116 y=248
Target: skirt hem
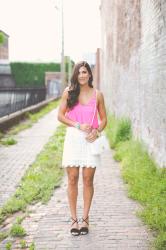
x=77 y=166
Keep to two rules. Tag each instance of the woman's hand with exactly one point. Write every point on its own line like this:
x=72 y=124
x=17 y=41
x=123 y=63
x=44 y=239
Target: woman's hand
x=85 y=127
x=92 y=136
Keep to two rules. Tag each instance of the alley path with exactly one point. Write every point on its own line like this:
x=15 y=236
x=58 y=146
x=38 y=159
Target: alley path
x=113 y=223
x=15 y=159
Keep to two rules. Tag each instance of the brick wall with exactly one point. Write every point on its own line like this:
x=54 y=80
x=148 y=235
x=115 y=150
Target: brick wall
x=133 y=68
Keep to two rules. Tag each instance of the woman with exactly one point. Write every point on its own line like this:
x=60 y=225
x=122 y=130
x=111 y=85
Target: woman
x=79 y=109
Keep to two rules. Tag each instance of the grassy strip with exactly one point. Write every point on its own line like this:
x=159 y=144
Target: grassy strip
x=118 y=130
x=40 y=179
x=7 y=138
x=146 y=181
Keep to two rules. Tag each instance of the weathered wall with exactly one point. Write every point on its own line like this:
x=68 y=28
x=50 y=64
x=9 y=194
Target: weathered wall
x=133 y=68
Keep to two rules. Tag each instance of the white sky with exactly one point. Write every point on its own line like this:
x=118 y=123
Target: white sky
x=34 y=27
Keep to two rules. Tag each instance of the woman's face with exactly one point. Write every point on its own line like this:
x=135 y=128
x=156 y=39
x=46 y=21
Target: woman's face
x=83 y=76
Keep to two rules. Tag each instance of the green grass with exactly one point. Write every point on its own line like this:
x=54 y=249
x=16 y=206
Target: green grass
x=32 y=246
x=8 y=141
x=118 y=130
x=146 y=181
x=23 y=244
x=3 y=235
x=17 y=230
x=19 y=220
x=1 y=135
x=40 y=180
x=30 y=118
x=8 y=245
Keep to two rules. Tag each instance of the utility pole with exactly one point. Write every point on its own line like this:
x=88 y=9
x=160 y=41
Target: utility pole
x=69 y=69
x=62 y=51
x=62 y=86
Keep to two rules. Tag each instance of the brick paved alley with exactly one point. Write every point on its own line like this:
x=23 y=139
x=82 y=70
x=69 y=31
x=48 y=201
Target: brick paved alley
x=113 y=223
x=15 y=159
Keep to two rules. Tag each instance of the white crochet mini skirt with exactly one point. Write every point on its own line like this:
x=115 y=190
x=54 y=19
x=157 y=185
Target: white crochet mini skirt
x=75 y=151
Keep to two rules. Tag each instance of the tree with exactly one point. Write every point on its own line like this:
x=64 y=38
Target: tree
x=1 y=38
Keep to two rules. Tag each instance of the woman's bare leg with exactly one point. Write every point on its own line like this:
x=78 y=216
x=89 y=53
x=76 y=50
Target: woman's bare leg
x=73 y=176
x=88 y=190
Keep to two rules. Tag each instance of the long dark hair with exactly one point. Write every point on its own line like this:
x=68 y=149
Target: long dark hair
x=74 y=88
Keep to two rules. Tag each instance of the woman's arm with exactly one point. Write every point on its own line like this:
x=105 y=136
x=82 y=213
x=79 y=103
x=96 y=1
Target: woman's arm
x=63 y=108
x=102 y=111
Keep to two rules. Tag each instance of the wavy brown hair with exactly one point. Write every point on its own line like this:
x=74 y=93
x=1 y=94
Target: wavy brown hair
x=74 y=88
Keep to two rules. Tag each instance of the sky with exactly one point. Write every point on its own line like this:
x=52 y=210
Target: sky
x=35 y=28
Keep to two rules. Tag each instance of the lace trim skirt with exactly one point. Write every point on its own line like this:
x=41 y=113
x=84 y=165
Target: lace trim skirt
x=75 y=151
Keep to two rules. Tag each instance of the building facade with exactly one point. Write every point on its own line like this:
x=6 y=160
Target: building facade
x=6 y=80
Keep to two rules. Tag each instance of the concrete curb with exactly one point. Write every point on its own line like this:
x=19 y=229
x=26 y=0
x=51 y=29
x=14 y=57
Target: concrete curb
x=9 y=120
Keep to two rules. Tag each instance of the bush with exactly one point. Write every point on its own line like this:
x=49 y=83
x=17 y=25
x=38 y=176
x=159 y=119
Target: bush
x=118 y=130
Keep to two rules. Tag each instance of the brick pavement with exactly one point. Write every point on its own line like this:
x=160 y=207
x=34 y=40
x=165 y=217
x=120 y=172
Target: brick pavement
x=15 y=159
x=113 y=223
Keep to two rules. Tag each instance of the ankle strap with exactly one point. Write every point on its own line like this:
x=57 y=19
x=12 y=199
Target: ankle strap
x=74 y=220
x=84 y=220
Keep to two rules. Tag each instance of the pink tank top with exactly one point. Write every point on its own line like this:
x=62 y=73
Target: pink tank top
x=83 y=113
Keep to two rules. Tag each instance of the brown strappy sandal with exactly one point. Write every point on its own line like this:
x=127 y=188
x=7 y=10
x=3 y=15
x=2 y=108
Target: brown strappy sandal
x=74 y=231
x=84 y=230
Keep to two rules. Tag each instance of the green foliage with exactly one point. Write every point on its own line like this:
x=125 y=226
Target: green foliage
x=3 y=235
x=1 y=38
x=67 y=59
x=8 y=246
x=17 y=230
x=13 y=205
x=124 y=130
x=23 y=244
x=32 y=74
x=32 y=246
x=146 y=182
x=2 y=216
x=8 y=141
x=160 y=242
x=118 y=130
x=19 y=220
x=1 y=135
